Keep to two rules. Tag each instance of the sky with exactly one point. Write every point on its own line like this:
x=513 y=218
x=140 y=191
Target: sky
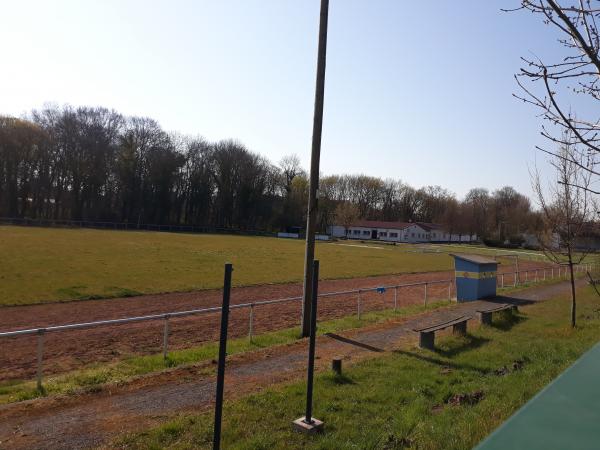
x=417 y=91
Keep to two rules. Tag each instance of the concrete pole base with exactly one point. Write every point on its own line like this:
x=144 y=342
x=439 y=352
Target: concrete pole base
x=302 y=426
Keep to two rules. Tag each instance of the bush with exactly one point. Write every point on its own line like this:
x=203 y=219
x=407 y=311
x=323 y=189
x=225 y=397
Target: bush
x=516 y=240
x=491 y=242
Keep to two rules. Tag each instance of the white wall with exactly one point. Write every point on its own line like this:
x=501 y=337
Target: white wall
x=412 y=234
x=336 y=231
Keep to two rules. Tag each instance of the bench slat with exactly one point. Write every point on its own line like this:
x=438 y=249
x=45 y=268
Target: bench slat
x=496 y=309
x=441 y=326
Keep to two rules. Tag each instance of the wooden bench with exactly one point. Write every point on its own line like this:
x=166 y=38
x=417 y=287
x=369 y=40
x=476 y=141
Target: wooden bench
x=485 y=315
x=427 y=334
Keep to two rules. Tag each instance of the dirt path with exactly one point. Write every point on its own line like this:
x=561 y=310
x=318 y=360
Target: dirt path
x=91 y=420
x=65 y=351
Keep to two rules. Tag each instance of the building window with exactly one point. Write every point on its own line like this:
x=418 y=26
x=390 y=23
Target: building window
x=394 y=235
x=366 y=232
x=412 y=234
x=383 y=234
x=356 y=231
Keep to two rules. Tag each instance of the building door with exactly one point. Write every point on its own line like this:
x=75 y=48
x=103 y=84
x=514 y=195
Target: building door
x=373 y=234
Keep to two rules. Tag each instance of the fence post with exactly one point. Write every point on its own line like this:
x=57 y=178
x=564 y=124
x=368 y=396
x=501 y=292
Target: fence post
x=222 y=355
x=251 y=322
x=501 y=280
x=552 y=274
x=166 y=338
x=450 y=291
x=526 y=276
x=40 y=357
x=395 y=298
x=515 y=280
x=358 y=304
x=536 y=275
x=425 y=294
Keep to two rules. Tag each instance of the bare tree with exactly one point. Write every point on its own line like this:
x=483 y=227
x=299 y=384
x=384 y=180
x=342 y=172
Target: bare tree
x=573 y=78
x=346 y=214
x=566 y=207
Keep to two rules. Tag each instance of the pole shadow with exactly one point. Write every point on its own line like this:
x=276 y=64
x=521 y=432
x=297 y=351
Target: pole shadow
x=442 y=363
x=346 y=340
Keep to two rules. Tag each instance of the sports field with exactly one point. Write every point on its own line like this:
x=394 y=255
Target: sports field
x=47 y=264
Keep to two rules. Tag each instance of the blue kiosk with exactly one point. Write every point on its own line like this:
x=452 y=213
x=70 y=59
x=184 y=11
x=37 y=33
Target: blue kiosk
x=475 y=277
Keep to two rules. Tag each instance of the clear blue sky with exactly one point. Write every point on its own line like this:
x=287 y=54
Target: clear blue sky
x=419 y=91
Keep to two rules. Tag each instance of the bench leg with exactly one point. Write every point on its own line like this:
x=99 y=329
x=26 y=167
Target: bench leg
x=485 y=318
x=515 y=309
x=460 y=328
x=427 y=340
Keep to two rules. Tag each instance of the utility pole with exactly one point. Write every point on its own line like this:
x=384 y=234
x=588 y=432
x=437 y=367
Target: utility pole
x=311 y=221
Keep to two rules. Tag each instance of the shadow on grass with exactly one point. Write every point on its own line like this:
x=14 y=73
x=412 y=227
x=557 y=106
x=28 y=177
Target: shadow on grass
x=441 y=362
x=340 y=379
x=505 y=320
x=464 y=343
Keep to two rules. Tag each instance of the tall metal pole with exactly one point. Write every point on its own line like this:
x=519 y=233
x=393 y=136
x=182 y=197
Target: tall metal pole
x=311 y=220
x=222 y=355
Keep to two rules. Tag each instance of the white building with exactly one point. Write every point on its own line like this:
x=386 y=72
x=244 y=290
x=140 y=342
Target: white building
x=409 y=232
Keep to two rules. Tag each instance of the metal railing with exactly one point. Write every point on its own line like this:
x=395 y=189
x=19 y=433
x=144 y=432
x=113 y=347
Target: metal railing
x=165 y=317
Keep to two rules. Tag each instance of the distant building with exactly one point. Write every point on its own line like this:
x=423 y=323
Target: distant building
x=409 y=232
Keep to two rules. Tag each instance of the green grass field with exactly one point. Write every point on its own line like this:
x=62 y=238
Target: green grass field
x=405 y=398
x=49 y=264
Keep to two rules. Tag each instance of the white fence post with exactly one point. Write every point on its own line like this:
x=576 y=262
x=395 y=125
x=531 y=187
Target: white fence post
x=501 y=280
x=425 y=294
x=358 y=304
x=40 y=357
x=395 y=298
x=251 y=322
x=166 y=338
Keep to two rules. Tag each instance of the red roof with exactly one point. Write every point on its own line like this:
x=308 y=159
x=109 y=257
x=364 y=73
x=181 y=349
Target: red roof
x=382 y=224
x=429 y=226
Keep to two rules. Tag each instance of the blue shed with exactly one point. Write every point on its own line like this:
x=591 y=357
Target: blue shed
x=475 y=277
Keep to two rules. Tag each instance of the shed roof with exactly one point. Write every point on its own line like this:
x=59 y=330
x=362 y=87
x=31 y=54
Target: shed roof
x=478 y=259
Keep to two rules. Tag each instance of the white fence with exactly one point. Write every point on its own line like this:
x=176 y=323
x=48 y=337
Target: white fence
x=533 y=275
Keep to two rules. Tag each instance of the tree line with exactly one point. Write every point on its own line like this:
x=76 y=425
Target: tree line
x=93 y=163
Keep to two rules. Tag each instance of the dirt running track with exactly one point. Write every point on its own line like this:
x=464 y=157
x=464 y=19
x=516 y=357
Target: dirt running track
x=96 y=419
x=68 y=350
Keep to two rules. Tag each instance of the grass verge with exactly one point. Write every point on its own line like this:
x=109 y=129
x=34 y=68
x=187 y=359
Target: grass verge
x=447 y=399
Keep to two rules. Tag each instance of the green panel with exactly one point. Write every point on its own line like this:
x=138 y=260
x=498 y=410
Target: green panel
x=564 y=415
